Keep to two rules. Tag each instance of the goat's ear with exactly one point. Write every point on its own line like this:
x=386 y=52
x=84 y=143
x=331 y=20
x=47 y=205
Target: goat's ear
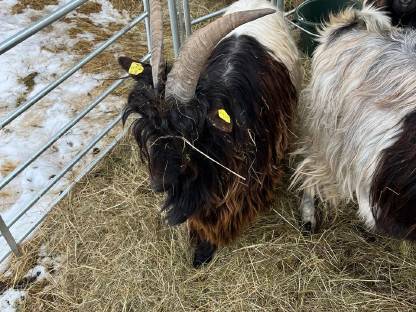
x=135 y=69
x=219 y=118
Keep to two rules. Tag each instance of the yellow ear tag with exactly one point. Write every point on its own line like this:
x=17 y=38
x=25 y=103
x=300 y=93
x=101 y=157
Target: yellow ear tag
x=136 y=69
x=224 y=115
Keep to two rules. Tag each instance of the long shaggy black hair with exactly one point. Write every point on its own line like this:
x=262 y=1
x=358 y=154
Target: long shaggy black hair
x=240 y=116
x=402 y=14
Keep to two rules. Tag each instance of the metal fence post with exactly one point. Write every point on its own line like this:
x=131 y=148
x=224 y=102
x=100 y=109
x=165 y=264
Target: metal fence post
x=5 y=231
x=174 y=26
x=146 y=7
x=279 y=3
x=187 y=18
x=180 y=5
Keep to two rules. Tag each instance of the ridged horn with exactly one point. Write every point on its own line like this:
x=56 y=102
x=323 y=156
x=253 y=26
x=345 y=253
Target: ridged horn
x=156 y=31
x=183 y=78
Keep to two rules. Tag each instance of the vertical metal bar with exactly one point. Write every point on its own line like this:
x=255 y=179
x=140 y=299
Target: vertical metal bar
x=146 y=7
x=280 y=4
x=181 y=21
x=174 y=26
x=187 y=18
x=5 y=231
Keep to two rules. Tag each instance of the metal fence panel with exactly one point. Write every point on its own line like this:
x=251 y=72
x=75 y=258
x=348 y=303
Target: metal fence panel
x=6 y=226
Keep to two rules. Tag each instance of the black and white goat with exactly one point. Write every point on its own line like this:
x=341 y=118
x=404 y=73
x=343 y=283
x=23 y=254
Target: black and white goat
x=359 y=122
x=402 y=12
x=215 y=128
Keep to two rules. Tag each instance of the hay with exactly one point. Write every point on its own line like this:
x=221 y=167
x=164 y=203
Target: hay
x=118 y=255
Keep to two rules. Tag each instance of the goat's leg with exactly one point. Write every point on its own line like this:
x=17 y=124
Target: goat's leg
x=307 y=211
x=204 y=250
x=364 y=208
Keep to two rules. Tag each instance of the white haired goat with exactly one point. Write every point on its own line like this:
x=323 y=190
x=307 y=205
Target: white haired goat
x=359 y=122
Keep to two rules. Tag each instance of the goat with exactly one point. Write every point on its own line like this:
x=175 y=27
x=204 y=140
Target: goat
x=359 y=122
x=402 y=12
x=215 y=128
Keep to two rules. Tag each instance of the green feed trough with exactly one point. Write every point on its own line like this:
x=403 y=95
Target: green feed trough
x=311 y=14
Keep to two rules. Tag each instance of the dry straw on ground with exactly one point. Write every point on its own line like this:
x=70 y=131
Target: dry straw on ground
x=119 y=256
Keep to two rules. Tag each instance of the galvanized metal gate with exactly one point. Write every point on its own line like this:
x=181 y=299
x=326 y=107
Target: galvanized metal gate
x=181 y=27
x=6 y=225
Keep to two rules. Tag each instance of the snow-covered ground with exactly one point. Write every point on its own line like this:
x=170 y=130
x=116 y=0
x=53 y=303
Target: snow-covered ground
x=38 y=61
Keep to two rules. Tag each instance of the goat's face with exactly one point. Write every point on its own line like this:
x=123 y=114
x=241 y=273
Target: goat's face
x=174 y=116
x=404 y=7
x=163 y=128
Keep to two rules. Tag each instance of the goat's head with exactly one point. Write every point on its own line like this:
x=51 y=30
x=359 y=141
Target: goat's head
x=404 y=7
x=169 y=112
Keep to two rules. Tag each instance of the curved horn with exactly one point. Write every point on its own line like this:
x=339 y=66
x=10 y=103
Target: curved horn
x=156 y=30
x=183 y=78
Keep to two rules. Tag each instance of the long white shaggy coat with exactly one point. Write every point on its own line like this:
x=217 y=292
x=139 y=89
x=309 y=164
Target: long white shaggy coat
x=363 y=84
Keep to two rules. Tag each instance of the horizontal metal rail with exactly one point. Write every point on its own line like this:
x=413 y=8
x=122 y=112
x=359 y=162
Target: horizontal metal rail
x=24 y=107
x=220 y=12
x=33 y=29
x=208 y=16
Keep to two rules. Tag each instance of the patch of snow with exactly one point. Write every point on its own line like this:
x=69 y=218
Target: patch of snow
x=10 y=298
x=39 y=272
x=4 y=267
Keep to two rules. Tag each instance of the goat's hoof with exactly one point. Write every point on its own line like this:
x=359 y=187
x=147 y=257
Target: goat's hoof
x=204 y=253
x=308 y=228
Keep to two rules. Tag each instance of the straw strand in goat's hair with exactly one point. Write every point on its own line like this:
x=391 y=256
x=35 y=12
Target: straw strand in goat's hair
x=205 y=155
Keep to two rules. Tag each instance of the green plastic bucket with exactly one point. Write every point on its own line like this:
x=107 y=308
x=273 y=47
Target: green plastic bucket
x=311 y=13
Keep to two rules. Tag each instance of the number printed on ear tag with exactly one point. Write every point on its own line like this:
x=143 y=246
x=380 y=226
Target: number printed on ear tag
x=224 y=115
x=136 y=69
